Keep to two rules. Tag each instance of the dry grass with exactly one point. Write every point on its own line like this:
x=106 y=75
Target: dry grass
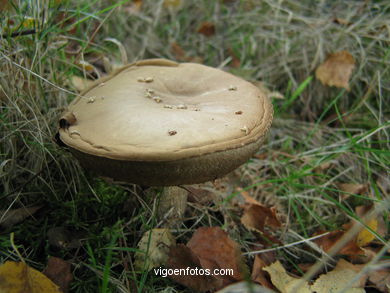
x=278 y=42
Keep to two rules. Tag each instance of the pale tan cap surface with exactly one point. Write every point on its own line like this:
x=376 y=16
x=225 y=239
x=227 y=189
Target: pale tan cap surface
x=158 y=110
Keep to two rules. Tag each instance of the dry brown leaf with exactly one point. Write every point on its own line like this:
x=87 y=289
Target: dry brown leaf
x=59 y=271
x=17 y=277
x=178 y=52
x=352 y=188
x=248 y=199
x=381 y=279
x=235 y=63
x=326 y=243
x=338 y=278
x=336 y=69
x=8 y=218
x=180 y=55
x=257 y=216
x=216 y=250
x=206 y=28
x=153 y=249
x=341 y=21
x=284 y=282
x=258 y=274
x=182 y=257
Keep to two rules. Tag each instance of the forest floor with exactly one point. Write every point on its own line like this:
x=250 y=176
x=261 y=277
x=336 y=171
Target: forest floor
x=321 y=177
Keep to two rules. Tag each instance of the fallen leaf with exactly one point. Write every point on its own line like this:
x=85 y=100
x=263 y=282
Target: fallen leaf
x=257 y=216
x=178 y=52
x=336 y=70
x=216 y=250
x=381 y=279
x=59 y=271
x=235 y=63
x=341 y=21
x=154 y=248
x=182 y=257
x=337 y=279
x=365 y=236
x=17 y=277
x=173 y=4
x=374 y=222
x=8 y=218
x=258 y=274
x=327 y=241
x=284 y=282
x=206 y=28
x=333 y=281
x=180 y=55
x=351 y=188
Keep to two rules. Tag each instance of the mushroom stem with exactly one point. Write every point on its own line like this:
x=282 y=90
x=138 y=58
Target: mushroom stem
x=172 y=205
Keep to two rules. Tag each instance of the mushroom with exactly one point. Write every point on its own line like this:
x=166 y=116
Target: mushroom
x=195 y=135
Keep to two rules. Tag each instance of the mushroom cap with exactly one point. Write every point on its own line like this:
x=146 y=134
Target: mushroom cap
x=159 y=123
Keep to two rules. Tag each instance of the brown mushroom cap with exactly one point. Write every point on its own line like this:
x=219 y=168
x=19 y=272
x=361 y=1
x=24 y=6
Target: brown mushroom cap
x=159 y=123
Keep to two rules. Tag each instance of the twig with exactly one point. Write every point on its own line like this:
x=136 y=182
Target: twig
x=285 y=246
x=19 y=33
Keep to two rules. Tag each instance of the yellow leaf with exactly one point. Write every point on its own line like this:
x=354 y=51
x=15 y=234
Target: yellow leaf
x=154 y=248
x=17 y=277
x=29 y=22
x=284 y=282
x=86 y=66
x=336 y=70
x=338 y=279
x=365 y=236
x=175 y=4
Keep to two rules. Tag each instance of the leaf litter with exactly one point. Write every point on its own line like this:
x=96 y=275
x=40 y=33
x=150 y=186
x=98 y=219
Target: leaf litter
x=59 y=271
x=209 y=248
x=17 y=277
x=153 y=248
x=336 y=70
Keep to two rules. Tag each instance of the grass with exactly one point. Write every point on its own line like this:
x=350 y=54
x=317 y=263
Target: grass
x=278 y=42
